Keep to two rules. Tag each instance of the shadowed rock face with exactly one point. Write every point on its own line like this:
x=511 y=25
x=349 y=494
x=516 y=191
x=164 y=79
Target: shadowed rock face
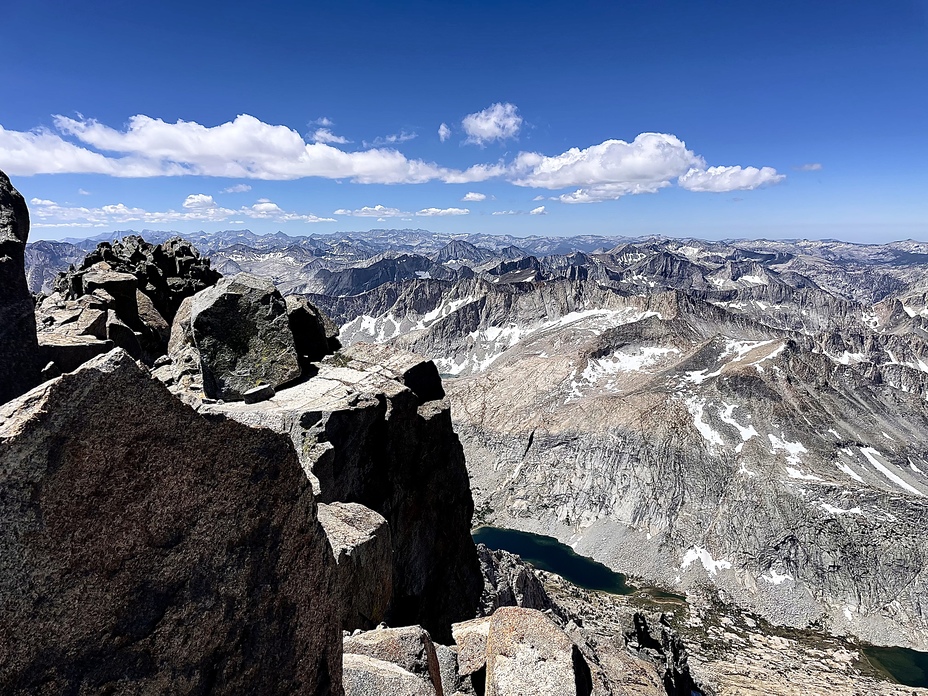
x=363 y=437
x=19 y=368
x=147 y=549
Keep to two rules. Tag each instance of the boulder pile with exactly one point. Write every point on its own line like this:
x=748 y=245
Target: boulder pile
x=123 y=294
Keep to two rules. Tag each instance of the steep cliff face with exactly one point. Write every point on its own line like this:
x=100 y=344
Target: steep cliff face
x=19 y=368
x=147 y=549
x=363 y=436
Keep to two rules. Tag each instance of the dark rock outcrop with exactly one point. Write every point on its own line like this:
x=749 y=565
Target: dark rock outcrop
x=167 y=273
x=508 y=582
x=139 y=286
x=314 y=334
x=146 y=549
x=363 y=437
x=19 y=359
x=241 y=331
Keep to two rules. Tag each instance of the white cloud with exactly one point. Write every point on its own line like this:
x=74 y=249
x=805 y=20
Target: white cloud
x=377 y=211
x=539 y=197
x=496 y=122
x=196 y=207
x=82 y=192
x=400 y=137
x=722 y=179
x=540 y=210
x=810 y=167
x=199 y=201
x=324 y=135
x=245 y=148
x=323 y=121
x=473 y=196
x=442 y=212
x=382 y=212
x=41 y=201
x=238 y=188
x=609 y=170
x=444 y=132
x=43 y=152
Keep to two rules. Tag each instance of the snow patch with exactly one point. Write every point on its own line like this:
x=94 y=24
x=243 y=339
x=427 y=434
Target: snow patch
x=696 y=408
x=832 y=510
x=703 y=556
x=746 y=432
x=775 y=577
x=874 y=456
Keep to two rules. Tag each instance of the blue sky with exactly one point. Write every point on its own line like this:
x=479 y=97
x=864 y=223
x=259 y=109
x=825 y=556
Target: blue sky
x=715 y=119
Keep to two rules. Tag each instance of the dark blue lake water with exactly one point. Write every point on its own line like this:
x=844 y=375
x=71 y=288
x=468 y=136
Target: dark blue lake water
x=908 y=667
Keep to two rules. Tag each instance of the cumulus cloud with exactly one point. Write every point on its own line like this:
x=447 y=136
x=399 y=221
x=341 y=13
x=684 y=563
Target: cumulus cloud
x=473 y=196
x=196 y=207
x=444 y=132
x=199 y=201
x=244 y=148
x=393 y=139
x=609 y=170
x=441 y=212
x=323 y=121
x=540 y=210
x=497 y=122
x=324 y=135
x=376 y=211
x=723 y=179
x=247 y=148
x=382 y=212
x=810 y=167
x=238 y=188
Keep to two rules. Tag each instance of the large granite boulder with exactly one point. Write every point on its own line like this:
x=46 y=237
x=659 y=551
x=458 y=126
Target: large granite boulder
x=408 y=647
x=364 y=437
x=471 y=640
x=19 y=355
x=368 y=676
x=360 y=541
x=241 y=330
x=527 y=653
x=419 y=374
x=147 y=549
